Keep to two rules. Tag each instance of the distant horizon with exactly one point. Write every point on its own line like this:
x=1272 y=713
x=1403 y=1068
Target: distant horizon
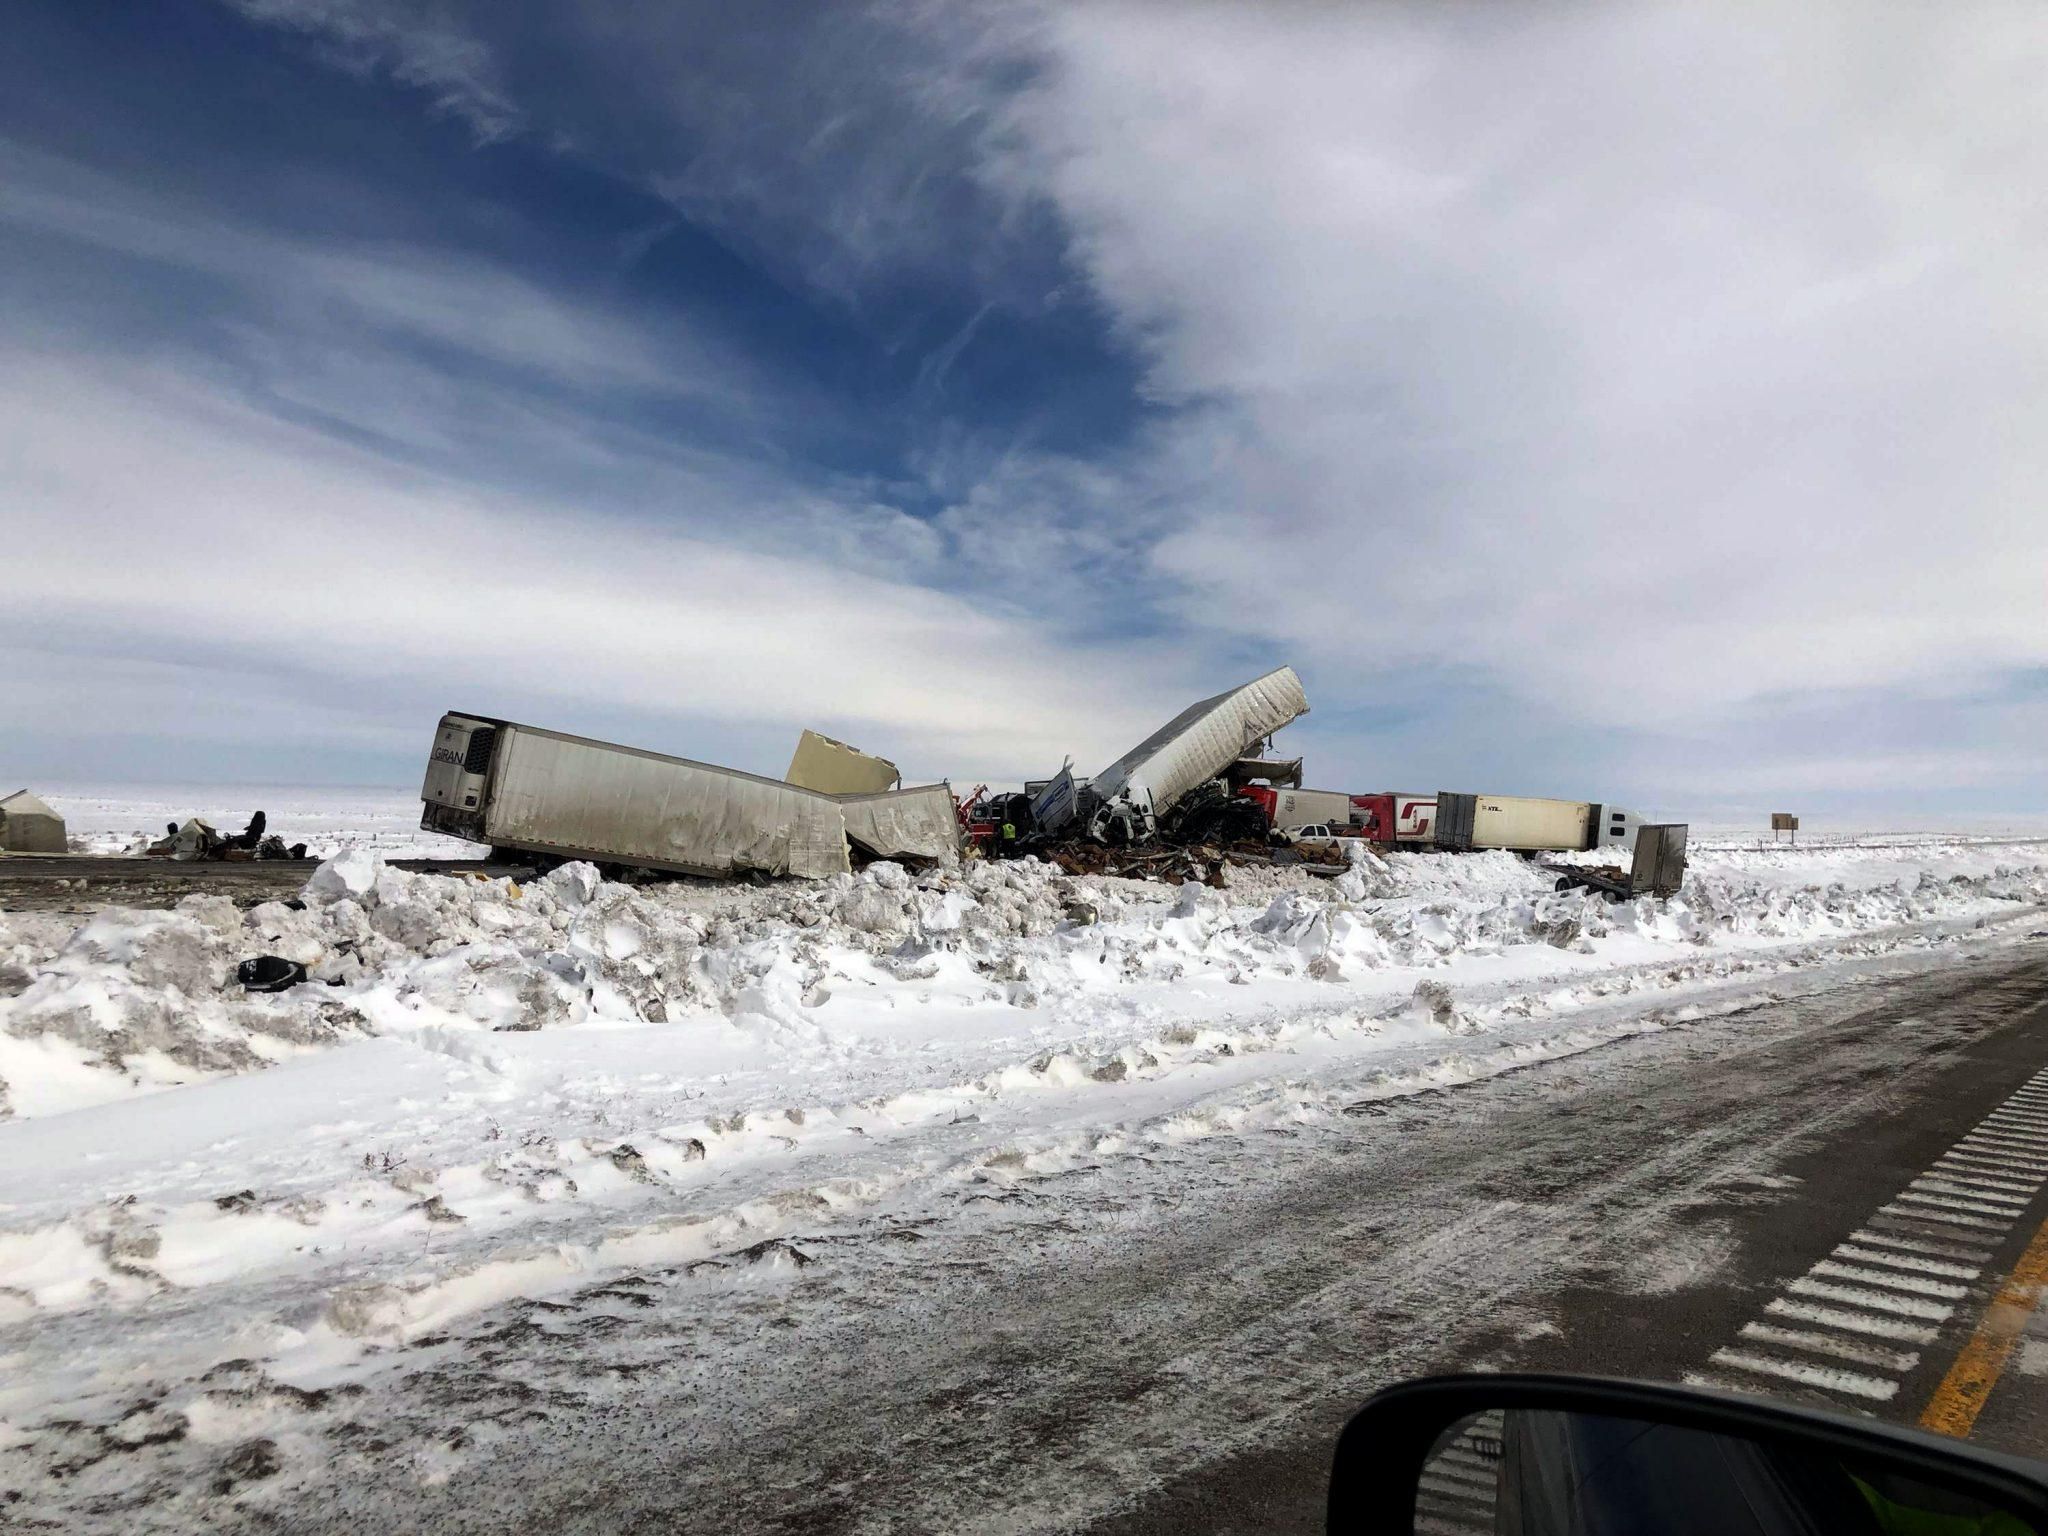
x=1716 y=823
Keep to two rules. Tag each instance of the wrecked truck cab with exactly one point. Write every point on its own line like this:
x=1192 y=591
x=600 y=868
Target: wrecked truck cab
x=1124 y=802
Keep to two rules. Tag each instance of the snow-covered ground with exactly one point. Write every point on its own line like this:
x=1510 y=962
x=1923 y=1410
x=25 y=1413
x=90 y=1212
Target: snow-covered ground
x=492 y=1092
x=124 y=818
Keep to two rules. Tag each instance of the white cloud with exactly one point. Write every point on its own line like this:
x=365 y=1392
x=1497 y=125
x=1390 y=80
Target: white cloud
x=1650 y=362
x=177 y=522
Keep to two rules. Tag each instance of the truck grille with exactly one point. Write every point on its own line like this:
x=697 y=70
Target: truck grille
x=478 y=758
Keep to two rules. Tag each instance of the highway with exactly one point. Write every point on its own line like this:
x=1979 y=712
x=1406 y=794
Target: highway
x=84 y=884
x=1819 y=1196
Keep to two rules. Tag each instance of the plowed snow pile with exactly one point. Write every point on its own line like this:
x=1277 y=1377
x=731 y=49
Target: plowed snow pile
x=487 y=1090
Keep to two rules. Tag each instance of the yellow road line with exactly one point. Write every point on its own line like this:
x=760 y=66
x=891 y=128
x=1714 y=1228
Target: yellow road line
x=1967 y=1387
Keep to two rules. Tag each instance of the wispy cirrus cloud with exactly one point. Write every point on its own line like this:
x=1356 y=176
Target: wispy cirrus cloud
x=426 y=47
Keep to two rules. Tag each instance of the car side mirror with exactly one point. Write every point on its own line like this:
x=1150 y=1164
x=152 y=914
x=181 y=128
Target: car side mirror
x=1579 y=1456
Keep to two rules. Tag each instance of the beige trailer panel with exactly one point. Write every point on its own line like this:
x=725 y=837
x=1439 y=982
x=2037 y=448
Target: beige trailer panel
x=28 y=825
x=833 y=768
x=923 y=822
x=552 y=791
x=1523 y=824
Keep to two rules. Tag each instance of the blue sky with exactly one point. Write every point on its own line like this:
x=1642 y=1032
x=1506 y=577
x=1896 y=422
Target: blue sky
x=1639 y=407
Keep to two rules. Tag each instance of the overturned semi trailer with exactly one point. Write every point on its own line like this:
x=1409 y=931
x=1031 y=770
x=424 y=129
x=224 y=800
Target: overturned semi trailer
x=522 y=788
x=1124 y=802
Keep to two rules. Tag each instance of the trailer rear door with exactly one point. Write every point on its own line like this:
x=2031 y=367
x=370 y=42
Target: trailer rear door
x=1659 y=867
x=1455 y=814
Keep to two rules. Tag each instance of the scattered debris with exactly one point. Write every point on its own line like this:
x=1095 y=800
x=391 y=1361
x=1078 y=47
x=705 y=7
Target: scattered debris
x=197 y=839
x=269 y=973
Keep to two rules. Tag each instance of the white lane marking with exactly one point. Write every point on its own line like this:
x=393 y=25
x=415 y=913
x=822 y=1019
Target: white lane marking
x=1916 y=1225
x=2004 y=1164
x=1827 y=1377
x=2006 y=1125
x=1912 y=1196
x=2034 y=1147
x=1463 y=1456
x=1946 y=1218
x=1983 y=1205
x=1984 y=1178
x=1913 y=1262
x=1444 y=1488
x=1877 y=1301
x=1994 y=1144
x=1945 y=1250
x=1986 y=1130
x=1997 y=1133
x=1853 y=1322
x=1935 y=1184
x=1913 y=1283
x=1438 y=1467
x=1827 y=1344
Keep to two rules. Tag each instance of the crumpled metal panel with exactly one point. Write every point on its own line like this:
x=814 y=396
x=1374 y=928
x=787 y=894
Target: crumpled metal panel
x=1202 y=741
x=592 y=798
x=922 y=822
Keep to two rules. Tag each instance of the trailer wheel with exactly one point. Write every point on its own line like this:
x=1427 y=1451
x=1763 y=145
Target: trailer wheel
x=1564 y=882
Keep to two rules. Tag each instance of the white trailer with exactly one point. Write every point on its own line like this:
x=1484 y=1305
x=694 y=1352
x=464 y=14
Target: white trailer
x=568 y=797
x=1124 y=801
x=1310 y=807
x=1526 y=824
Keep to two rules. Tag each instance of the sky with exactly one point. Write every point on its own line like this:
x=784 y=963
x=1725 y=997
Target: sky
x=1636 y=404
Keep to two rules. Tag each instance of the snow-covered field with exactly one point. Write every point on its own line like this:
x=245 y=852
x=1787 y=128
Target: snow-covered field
x=217 y=1208
x=123 y=818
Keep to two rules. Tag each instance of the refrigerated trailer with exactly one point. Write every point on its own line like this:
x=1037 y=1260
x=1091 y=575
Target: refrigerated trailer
x=1525 y=824
x=544 y=792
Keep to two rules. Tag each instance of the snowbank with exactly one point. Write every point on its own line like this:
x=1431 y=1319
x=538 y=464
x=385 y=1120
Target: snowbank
x=137 y=1002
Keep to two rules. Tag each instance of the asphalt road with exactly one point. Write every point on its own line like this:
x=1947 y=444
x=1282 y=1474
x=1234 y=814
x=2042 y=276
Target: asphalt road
x=1847 y=1108
x=84 y=884
x=1171 y=1343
